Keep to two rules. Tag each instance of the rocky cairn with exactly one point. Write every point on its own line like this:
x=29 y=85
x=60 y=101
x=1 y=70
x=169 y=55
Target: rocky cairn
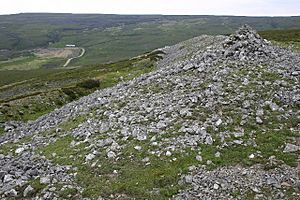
x=221 y=92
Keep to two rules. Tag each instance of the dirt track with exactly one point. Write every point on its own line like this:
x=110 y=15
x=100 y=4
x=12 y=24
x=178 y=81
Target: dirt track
x=70 y=59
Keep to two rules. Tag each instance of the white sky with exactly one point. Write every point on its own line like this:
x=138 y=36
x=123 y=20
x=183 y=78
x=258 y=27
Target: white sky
x=177 y=7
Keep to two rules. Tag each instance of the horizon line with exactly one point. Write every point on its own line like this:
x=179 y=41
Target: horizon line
x=83 y=13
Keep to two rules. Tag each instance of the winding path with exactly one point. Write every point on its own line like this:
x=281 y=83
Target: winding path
x=70 y=59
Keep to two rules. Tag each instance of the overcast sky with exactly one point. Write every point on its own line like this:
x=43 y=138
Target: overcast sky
x=177 y=7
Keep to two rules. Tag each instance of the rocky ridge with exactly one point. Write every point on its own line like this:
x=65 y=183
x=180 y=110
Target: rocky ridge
x=222 y=92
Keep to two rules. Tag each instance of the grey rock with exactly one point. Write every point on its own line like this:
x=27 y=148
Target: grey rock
x=291 y=148
x=89 y=157
x=188 y=179
x=216 y=186
x=218 y=122
x=259 y=120
x=8 y=178
x=11 y=193
x=19 y=150
x=45 y=180
x=2 y=175
x=28 y=190
x=199 y=158
x=111 y=154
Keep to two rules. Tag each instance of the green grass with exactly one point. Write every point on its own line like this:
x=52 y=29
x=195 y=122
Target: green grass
x=285 y=38
x=30 y=63
x=10 y=147
x=44 y=90
x=292 y=35
x=161 y=173
x=269 y=144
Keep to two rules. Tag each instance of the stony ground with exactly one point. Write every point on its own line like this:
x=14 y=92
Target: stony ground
x=218 y=119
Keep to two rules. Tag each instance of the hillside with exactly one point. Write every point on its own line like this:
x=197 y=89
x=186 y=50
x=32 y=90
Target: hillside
x=110 y=38
x=217 y=118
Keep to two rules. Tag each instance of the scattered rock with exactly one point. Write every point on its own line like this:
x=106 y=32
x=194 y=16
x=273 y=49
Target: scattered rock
x=291 y=148
x=216 y=186
x=11 y=193
x=111 y=154
x=219 y=122
x=28 y=190
x=45 y=180
x=217 y=154
x=89 y=157
x=199 y=158
x=19 y=150
x=138 y=148
x=259 y=120
x=251 y=156
x=168 y=153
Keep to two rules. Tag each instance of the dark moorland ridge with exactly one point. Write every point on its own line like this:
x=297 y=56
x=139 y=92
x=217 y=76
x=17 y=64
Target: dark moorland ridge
x=114 y=37
x=213 y=117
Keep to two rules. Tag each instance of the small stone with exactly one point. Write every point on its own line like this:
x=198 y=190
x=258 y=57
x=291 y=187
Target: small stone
x=246 y=104
x=208 y=140
x=111 y=154
x=168 y=153
x=58 y=130
x=89 y=157
x=188 y=66
x=295 y=73
x=208 y=162
x=11 y=193
x=161 y=125
x=138 y=148
x=45 y=180
x=273 y=106
x=146 y=159
x=28 y=190
x=219 y=122
x=199 y=158
x=238 y=142
x=285 y=184
x=217 y=155
x=188 y=179
x=154 y=143
x=291 y=148
x=251 y=156
x=141 y=137
x=2 y=174
x=19 y=150
x=153 y=139
x=258 y=120
x=256 y=190
x=238 y=134
x=260 y=112
x=271 y=181
x=8 y=178
x=216 y=186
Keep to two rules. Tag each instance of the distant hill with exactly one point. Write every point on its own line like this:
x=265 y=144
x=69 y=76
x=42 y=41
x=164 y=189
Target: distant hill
x=113 y=37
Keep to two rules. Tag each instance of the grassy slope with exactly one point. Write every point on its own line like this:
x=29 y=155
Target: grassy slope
x=41 y=91
x=284 y=37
